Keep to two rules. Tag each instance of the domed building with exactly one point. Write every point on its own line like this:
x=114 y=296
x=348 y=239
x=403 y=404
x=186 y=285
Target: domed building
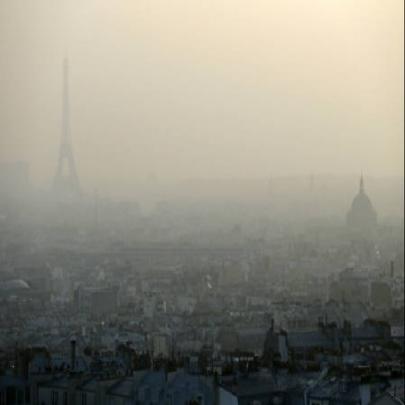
x=362 y=214
x=14 y=285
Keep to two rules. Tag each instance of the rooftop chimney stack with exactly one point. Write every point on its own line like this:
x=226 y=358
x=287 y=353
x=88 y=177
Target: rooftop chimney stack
x=72 y=354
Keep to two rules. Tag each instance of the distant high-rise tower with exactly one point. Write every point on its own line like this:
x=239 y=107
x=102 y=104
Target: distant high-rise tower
x=66 y=182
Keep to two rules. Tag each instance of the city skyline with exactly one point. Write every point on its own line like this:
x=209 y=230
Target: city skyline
x=202 y=202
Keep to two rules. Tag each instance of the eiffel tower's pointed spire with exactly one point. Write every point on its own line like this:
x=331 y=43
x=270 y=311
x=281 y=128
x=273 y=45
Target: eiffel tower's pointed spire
x=65 y=103
x=361 y=188
x=66 y=182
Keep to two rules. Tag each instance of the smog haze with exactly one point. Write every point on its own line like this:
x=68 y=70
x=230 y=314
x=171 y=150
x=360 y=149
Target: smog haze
x=180 y=89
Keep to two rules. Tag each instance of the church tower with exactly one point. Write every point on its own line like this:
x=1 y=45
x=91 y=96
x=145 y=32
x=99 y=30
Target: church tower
x=362 y=215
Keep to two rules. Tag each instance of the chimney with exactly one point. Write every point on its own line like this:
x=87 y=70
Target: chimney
x=23 y=360
x=365 y=394
x=72 y=354
x=216 y=382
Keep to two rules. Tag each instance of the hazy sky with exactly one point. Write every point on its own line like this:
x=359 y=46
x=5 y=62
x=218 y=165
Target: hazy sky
x=204 y=88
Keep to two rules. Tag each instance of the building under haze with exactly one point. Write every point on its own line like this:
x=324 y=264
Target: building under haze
x=362 y=215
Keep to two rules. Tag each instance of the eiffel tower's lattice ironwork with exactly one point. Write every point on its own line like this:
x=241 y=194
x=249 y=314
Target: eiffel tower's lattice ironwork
x=66 y=182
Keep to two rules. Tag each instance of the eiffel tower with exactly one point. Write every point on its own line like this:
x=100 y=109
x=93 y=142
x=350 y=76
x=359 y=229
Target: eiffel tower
x=66 y=184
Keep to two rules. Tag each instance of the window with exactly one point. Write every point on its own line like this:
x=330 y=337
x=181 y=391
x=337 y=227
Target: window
x=169 y=399
x=65 y=398
x=20 y=397
x=197 y=400
x=54 y=398
x=27 y=395
x=84 y=398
